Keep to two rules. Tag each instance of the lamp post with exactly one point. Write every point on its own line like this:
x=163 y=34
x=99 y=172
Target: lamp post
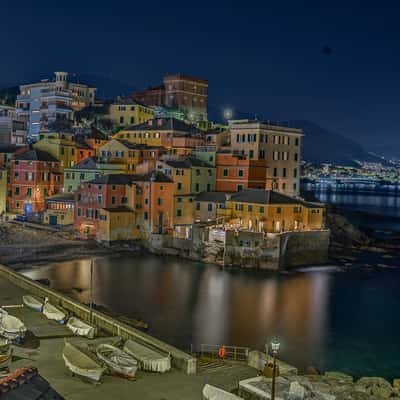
x=228 y=114
x=274 y=350
x=91 y=292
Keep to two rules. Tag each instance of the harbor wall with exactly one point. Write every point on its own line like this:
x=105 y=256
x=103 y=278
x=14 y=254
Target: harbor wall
x=180 y=359
x=246 y=249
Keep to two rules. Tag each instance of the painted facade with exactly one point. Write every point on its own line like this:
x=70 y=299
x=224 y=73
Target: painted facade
x=235 y=173
x=61 y=146
x=279 y=146
x=128 y=112
x=34 y=175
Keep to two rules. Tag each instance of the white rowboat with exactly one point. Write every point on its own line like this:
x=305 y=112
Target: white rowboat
x=81 y=328
x=11 y=327
x=54 y=313
x=149 y=359
x=33 y=302
x=81 y=364
x=117 y=360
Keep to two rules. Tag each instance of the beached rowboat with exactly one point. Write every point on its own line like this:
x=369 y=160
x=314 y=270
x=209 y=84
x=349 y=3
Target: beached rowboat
x=11 y=327
x=81 y=328
x=117 y=360
x=33 y=302
x=53 y=312
x=149 y=359
x=81 y=364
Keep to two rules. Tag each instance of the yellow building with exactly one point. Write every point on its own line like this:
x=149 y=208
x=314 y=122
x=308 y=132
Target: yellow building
x=171 y=133
x=59 y=210
x=3 y=190
x=61 y=146
x=126 y=112
x=272 y=212
x=120 y=152
x=279 y=145
x=117 y=224
x=128 y=154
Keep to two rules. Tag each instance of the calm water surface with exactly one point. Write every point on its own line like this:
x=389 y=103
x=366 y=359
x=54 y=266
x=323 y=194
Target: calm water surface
x=347 y=321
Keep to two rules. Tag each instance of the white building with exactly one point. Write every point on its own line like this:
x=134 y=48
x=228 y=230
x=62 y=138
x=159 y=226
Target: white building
x=47 y=101
x=12 y=130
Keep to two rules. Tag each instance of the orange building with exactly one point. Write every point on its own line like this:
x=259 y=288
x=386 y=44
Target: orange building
x=83 y=151
x=125 y=206
x=235 y=173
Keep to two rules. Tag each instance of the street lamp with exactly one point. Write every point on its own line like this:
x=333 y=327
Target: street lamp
x=275 y=345
x=228 y=113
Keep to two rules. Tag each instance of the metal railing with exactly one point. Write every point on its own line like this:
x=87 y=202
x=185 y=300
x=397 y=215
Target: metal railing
x=231 y=352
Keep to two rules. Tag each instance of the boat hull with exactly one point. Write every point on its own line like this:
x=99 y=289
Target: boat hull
x=81 y=364
x=92 y=374
x=53 y=313
x=80 y=328
x=12 y=328
x=117 y=361
x=33 y=303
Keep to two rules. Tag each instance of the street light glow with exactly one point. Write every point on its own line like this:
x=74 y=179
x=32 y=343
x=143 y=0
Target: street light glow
x=228 y=113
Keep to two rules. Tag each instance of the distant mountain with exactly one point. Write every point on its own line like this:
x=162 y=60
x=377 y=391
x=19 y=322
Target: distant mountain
x=323 y=145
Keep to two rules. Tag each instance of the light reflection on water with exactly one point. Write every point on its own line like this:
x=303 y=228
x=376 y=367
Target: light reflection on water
x=377 y=204
x=324 y=318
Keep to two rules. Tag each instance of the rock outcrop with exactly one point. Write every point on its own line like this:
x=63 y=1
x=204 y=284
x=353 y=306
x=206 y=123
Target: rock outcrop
x=329 y=386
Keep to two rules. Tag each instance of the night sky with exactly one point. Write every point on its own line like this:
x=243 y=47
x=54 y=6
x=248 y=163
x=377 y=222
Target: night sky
x=335 y=63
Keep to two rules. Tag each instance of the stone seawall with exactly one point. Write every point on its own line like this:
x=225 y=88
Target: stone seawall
x=303 y=248
x=246 y=249
x=113 y=327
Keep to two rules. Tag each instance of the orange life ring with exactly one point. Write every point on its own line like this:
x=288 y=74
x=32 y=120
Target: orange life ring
x=222 y=352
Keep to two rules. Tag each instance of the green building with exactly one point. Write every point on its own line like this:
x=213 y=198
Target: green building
x=86 y=170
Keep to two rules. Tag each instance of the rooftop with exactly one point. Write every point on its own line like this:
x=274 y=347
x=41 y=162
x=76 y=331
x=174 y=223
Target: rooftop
x=126 y=179
x=261 y=196
x=165 y=124
x=185 y=77
x=136 y=146
x=36 y=155
x=212 y=197
x=188 y=162
x=9 y=148
x=61 y=197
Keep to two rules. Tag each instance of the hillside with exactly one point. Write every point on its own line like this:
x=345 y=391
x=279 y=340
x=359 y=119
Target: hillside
x=8 y=95
x=323 y=145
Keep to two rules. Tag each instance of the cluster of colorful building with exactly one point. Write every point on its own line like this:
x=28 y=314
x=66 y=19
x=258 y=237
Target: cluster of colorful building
x=162 y=168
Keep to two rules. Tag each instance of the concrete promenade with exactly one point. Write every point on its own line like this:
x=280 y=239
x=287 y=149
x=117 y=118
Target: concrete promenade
x=43 y=349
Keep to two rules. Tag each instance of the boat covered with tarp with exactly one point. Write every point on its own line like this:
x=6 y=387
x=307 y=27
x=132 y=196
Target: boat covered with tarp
x=54 y=313
x=149 y=359
x=33 y=302
x=117 y=360
x=11 y=327
x=80 y=363
x=211 y=392
x=81 y=328
x=6 y=352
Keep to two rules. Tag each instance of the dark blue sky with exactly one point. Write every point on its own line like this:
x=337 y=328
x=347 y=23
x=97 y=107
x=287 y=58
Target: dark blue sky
x=259 y=56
